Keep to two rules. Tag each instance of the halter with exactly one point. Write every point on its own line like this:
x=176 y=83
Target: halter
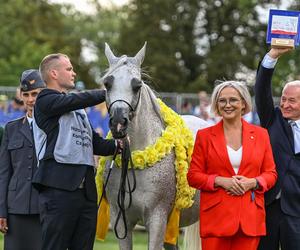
x=126 y=160
x=132 y=110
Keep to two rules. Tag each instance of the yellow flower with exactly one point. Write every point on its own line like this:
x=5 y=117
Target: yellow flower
x=152 y=156
x=160 y=149
x=176 y=135
x=167 y=137
x=139 y=159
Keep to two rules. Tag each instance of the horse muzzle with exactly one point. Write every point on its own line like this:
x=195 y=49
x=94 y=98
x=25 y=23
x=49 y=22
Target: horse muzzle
x=118 y=123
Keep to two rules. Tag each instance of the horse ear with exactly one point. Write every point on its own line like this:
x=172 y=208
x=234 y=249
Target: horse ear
x=139 y=57
x=109 y=54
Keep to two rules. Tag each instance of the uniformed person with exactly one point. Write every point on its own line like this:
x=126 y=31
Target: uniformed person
x=19 y=214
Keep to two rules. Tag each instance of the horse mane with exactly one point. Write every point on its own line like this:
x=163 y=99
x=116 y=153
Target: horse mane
x=153 y=99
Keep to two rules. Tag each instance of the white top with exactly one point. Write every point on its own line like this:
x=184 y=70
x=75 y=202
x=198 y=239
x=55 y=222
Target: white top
x=235 y=157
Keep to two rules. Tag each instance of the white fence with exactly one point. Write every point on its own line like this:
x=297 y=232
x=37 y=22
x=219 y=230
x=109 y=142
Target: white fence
x=174 y=100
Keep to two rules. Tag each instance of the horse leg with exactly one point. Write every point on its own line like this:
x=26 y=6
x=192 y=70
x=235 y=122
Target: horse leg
x=126 y=244
x=156 y=227
x=189 y=219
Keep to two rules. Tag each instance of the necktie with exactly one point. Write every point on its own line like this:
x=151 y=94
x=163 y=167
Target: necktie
x=296 y=132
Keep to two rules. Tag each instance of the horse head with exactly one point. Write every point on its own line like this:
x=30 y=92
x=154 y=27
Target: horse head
x=123 y=84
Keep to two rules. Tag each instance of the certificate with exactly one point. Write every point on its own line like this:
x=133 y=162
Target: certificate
x=283 y=28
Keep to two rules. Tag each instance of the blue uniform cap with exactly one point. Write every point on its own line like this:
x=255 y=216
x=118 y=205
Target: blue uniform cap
x=30 y=80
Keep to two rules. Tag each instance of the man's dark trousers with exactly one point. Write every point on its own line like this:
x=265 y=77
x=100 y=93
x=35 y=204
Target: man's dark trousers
x=280 y=227
x=68 y=218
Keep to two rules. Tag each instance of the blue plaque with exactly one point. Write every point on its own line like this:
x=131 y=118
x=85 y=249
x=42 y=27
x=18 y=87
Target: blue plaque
x=284 y=28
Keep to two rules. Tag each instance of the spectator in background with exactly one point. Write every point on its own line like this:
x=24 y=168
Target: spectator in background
x=203 y=104
x=11 y=110
x=16 y=107
x=79 y=86
x=203 y=109
x=16 y=103
x=252 y=117
x=187 y=108
x=206 y=115
x=3 y=110
x=99 y=118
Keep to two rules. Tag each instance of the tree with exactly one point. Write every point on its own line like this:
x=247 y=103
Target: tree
x=192 y=43
x=98 y=28
x=30 y=30
x=168 y=27
x=234 y=39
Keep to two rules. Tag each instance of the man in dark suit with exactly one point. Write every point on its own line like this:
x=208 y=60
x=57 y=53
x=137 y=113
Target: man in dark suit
x=65 y=145
x=283 y=124
x=19 y=214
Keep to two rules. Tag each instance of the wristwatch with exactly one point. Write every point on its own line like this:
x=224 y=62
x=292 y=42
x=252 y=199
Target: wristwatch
x=257 y=185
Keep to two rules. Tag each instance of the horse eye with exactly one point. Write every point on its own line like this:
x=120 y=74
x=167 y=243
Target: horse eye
x=108 y=81
x=136 y=84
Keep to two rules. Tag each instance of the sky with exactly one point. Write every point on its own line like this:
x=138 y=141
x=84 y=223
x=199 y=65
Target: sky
x=84 y=6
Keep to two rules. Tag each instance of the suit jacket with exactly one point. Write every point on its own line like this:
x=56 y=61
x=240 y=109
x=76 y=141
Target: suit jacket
x=282 y=141
x=220 y=213
x=49 y=107
x=17 y=167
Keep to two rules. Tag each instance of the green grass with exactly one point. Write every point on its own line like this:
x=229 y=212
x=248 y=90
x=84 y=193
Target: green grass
x=140 y=240
x=110 y=243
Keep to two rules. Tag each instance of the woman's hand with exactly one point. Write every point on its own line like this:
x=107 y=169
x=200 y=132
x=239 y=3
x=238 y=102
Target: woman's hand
x=231 y=185
x=245 y=183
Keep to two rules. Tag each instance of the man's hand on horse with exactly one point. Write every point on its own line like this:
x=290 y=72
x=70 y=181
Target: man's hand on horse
x=121 y=143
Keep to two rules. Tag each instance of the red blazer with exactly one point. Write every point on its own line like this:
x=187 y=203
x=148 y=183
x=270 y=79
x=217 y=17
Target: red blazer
x=222 y=214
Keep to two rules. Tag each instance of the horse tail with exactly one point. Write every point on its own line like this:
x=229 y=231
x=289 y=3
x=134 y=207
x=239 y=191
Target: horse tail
x=191 y=240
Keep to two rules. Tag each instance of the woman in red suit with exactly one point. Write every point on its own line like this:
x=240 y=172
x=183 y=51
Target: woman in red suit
x=232 y=164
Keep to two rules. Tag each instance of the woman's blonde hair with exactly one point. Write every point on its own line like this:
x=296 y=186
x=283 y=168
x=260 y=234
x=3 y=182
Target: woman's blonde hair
x=240 y=87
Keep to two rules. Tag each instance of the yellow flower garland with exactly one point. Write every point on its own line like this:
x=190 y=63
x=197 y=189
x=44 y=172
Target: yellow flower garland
x=177 y=136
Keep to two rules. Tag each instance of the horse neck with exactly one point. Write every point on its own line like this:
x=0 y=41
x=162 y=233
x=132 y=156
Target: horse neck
x=147 y=124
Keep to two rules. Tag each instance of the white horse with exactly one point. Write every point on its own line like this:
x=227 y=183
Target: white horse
x=135 y=112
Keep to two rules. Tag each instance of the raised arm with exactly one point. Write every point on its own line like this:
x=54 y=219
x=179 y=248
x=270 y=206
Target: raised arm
x=54 y=103
x=263 y=86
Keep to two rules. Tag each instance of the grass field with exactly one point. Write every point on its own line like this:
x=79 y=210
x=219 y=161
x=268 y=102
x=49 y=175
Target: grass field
x=139 y=242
